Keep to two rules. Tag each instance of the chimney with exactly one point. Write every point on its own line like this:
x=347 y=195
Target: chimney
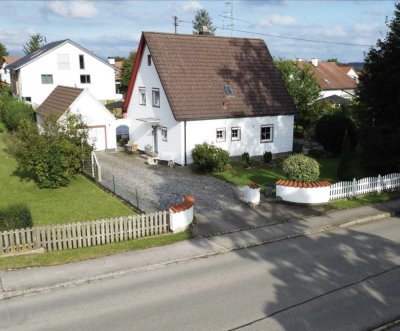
x=111 y=60
x=204 y=30
x=314 y=62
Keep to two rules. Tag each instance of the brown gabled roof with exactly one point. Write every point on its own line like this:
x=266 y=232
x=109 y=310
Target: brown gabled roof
x=9 y=59
x=59 y=101
x=194 y=70
x=330 y=76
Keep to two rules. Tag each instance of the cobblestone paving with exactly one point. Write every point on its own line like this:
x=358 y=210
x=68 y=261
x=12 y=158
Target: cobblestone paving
x=156 y=187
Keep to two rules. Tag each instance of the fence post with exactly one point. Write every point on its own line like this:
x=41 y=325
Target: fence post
x=113 y=183
x=91 y=155
x=137 y=198
x=354 y=193
x=379 y=184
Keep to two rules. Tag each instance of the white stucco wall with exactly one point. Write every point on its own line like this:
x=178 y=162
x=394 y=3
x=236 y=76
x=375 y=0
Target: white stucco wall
x=198 y=132
x=348 y=94
x=102 y=76
x=141 y=132
x=5 y=74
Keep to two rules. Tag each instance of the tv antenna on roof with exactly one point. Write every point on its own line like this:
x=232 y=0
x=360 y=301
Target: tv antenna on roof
x=228 y=13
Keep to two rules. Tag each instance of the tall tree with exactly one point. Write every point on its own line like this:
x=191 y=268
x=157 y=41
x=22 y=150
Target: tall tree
x=379 y=95
x=3 y=50
x=303 y=88
x=126 y=71
x=201 y=19
x=334 y=59
x=35 y=42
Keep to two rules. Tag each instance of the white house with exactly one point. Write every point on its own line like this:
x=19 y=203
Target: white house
x=64 y=62
x=4 y=73
x=100 y=122
x=186 y=90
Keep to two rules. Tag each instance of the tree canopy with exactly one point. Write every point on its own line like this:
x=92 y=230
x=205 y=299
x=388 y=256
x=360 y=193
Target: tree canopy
x=303 y=88
x=126 y=71
x=3 y=50
x=201 y=19
x=35 y=42
x=379 y=96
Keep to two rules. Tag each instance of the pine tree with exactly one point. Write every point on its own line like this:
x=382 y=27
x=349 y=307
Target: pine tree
x=126 y=71
x=201 y=19
x=345 y=168
x=35 y=42
x=3 y=50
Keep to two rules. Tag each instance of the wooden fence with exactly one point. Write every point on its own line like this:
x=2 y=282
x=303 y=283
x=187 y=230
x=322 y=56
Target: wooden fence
x=84 y=234
x=364 y=186
x=91 y=167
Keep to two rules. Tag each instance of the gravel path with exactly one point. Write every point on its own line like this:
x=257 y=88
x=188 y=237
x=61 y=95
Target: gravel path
x=159 y=186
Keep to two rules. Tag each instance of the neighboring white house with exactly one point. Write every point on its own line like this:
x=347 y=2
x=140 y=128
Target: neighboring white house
x=186 y=90
x=64 y=62
x=100 y=122
x=349 y=71
x=4 y=73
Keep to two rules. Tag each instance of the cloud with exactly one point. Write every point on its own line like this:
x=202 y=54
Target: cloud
x=336 y=31
x=364 y=28
x=74 y=9
x=278 y=20
x=190 y=6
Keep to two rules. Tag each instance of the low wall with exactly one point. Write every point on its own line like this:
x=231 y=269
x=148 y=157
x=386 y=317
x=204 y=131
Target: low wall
x=181 y=215
x=249 y=194
x=303 y=193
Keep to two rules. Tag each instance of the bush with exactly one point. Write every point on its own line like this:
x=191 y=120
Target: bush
x=330 y=129
x=267 y=157
x=297 y=147
x=246 y=157
x=345 y=168
x=13 y=111
x=207 y=158
x=301 y=168
x=16 y=216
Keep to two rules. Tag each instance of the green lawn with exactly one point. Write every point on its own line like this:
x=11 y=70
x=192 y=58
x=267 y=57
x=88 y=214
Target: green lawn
x=82 y=200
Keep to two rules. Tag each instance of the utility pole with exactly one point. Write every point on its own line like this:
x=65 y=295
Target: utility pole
x=175 y=23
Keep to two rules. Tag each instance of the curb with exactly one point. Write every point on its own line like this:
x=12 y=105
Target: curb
x=4 y=295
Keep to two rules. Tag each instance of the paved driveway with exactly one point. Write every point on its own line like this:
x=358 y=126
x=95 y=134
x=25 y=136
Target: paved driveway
x=156 y=187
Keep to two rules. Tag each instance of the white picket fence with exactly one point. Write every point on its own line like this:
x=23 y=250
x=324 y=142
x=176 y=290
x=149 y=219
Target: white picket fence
x=84 y=234
x=363 y=186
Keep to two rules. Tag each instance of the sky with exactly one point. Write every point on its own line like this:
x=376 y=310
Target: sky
x=113 y=28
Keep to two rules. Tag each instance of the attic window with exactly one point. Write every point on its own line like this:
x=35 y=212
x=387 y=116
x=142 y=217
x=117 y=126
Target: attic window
x=228 y=89
x=327 y=81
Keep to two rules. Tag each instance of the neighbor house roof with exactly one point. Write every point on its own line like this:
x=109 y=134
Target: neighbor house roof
x=9 y=59
x=47 y=48
x=194 y=70
x=59 y=101
x=118 y=65
x=330 y=76
x=337 y=100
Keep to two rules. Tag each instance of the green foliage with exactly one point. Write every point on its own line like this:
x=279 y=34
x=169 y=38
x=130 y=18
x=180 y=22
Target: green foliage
x=126 y=71
x=246 y=158
x=35 y=42
x=3 y=50
x=301 y=168
x=201 y=19
x=345 y=168
x=267 y=157
x=55 y=153
x=334 y=59
x=208 y=158
x=297 y=147
x=330 y=129
x=378 y=92
x=15 y=216
x=13 y=111
x=303 y=88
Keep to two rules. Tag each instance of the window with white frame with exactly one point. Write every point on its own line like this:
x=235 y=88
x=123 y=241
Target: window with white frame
x=142 y=96
x=63 y=61
x=85 y=79
x=47 y=79
x=164 y=133
x=267 y=133
x=221 y=135
x=235 y=134
x=156 y=97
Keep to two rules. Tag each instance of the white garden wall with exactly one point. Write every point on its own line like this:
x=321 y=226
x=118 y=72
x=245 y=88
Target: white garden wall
x=303 y=193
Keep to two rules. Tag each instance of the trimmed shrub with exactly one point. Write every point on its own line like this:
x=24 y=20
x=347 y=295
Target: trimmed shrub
x=13 y=111
x=15 y=216
x=267 y=157
x=301 y=168
x=330 y=129
x=345 y=168
x=207 y=158
x=246 y=158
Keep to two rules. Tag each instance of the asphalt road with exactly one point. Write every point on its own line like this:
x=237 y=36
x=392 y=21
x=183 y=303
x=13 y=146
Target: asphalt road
x=340 y=280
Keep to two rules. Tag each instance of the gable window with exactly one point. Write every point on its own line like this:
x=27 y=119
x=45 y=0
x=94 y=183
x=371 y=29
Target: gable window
x=156 y=97
x=85 y=79
x=63 y=61
x=267 y=133
x=235 y=134
x=228 y=89
x=221 y=134
x=47 y=79
x=142 y=96
x=149 y=60
x=81 y=62
x=164 y=133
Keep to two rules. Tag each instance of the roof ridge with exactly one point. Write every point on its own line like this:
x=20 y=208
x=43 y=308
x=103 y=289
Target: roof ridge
x=198 y=36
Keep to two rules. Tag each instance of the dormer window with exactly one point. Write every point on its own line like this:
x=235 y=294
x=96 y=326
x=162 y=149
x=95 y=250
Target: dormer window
x=228 y=89
x=327 y=81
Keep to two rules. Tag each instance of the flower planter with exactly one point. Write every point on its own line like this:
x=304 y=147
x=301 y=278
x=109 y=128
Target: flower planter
x=303 y=193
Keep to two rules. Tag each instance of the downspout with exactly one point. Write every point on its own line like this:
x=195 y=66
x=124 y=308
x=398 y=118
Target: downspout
x=184 y=141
